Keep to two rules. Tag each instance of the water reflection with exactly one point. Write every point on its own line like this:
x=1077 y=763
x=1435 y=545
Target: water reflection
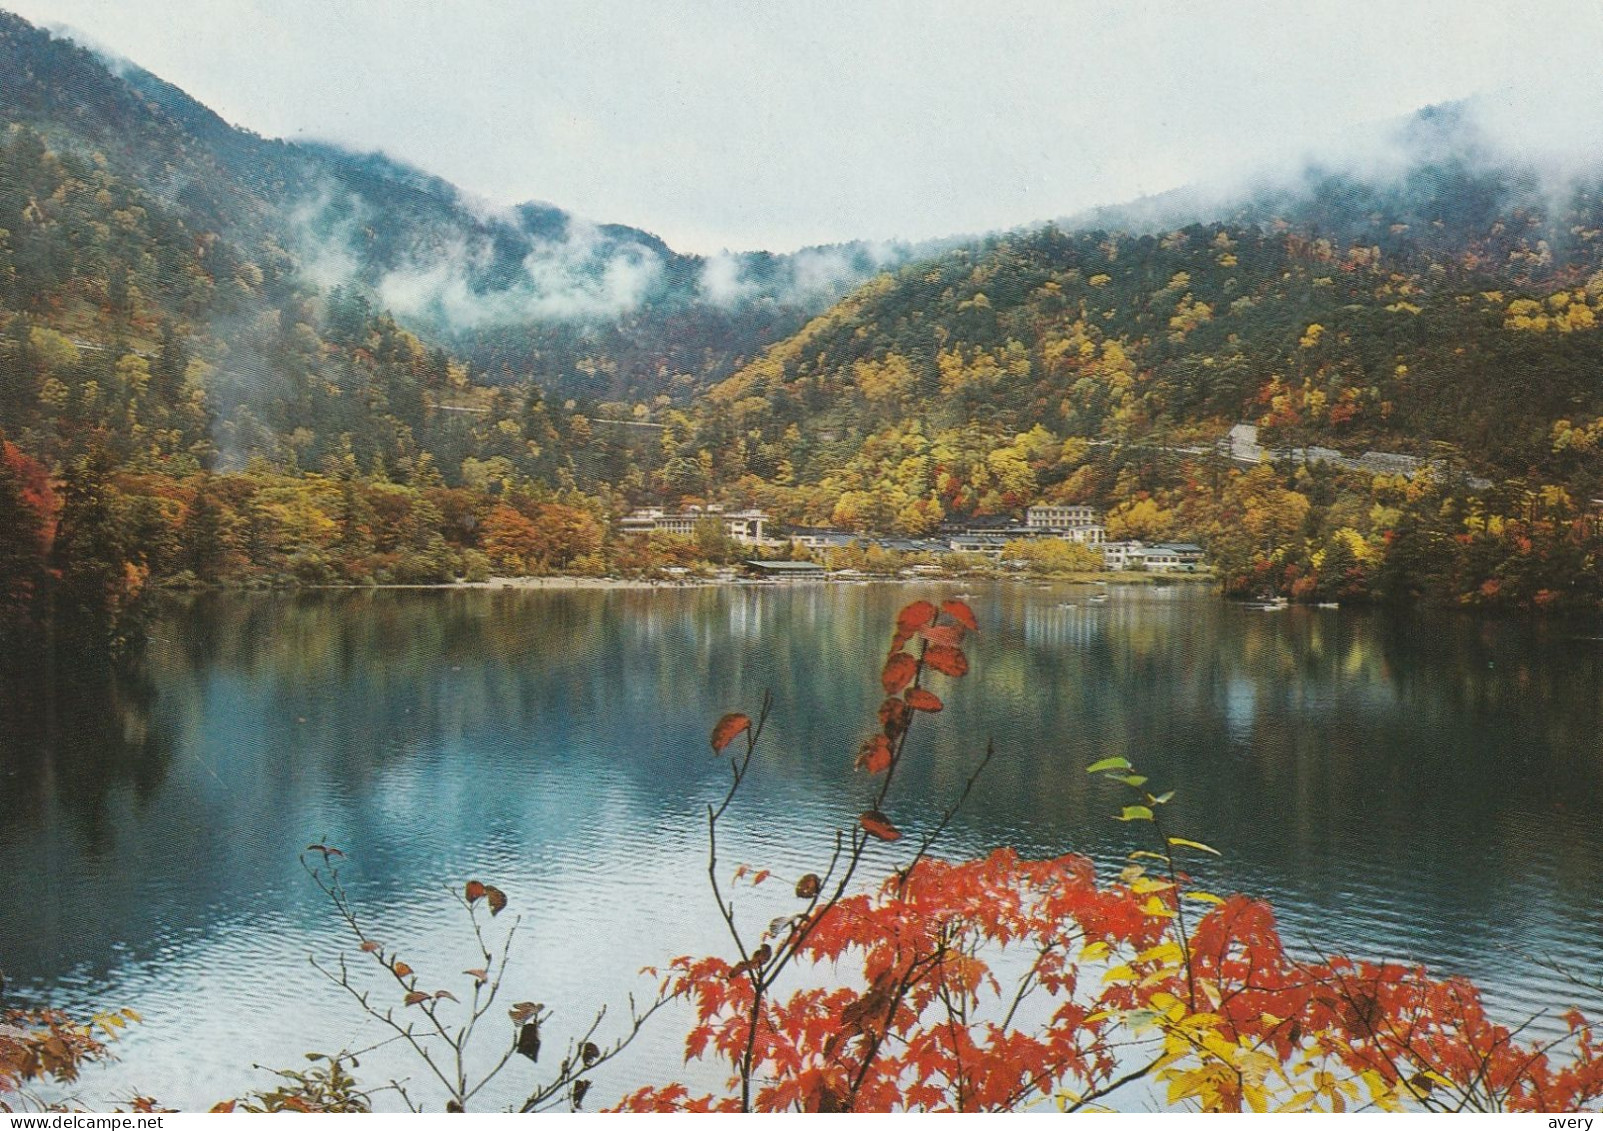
x=72 y=735
x=1430 y=787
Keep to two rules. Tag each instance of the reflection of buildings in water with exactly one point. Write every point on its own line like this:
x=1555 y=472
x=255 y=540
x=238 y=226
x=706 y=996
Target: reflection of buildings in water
x=1073 y=626
x=746 y=612
x=1240 y=710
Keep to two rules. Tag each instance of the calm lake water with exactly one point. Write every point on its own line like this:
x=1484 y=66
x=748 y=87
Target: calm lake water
x=1428 y=787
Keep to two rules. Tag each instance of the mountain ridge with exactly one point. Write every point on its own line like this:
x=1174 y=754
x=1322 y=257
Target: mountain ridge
x=194 y=300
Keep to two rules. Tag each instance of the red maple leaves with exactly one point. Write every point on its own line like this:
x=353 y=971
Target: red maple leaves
x=989 y=984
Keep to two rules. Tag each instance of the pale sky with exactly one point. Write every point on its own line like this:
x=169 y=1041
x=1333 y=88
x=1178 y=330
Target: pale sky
x=741 y=125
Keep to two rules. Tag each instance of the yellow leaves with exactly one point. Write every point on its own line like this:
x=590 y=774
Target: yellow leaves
x=980 y=369
x=1182 y=842
x=1148 y=885
x=1100 y=280
x=887 y=380
x=1121 y=973
x=53 y=351
x=1157 y=909
x=1580 y=436
x=1167 y=951
x=1202 y=1064
x=1188 y=315
x=1576 y=316
x=1381 y=1092
x=1310 y=337
x=1140 y=518
x=110 y=1023
x=1564 y=311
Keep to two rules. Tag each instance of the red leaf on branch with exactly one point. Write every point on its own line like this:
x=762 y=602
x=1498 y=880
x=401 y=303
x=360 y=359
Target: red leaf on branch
x=808 y=886
x=946 y=659
x=401 y=969
x=961 y=613
x=916 y=616
x=726 y=730
x=474 y=891
x=950 y=635
x=921 y=700
x=496 y=898
x=900 y=670
x=877 y=824
x=894 y=715
x=875 y=755
x=416 y=996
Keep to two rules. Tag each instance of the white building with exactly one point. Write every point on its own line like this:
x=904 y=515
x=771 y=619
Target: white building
x=1054 y=516
x=1164 y=557
x=820 y=537
x=1121 y=555
x=743 y=526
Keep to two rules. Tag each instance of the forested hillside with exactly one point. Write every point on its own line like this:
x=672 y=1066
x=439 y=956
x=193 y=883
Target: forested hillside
x=204 y=375
x=227 y=359
x=527 y=293
x=1450 y=314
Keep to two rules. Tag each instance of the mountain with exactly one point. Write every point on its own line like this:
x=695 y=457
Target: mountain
x=303 y=350
x=1454 y=300
x=1421 y=336
x=529 y=292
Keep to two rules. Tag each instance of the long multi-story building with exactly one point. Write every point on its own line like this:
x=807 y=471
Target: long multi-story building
x=1059 y=516
x=745 y=526
x=1073 y=522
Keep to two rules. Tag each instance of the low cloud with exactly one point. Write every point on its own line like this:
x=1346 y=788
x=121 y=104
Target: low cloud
x=810 y=277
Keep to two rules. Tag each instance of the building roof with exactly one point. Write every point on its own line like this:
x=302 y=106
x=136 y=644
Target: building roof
x=833 y=538
x=785 y=567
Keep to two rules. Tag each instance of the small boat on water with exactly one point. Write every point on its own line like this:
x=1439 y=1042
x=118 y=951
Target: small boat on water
x=1097 y=599
x=1269 y=604
x=1329 y=605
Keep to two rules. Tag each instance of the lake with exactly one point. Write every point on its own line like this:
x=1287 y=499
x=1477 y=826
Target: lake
x=1420 y=786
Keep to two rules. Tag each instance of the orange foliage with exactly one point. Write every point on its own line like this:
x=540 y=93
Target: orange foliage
x=929 y=1024
x=997 y=983
x=42 y=1044
x=33 y=482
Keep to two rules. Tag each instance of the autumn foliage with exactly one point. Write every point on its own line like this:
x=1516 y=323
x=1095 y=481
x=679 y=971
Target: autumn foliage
x=47 y=1046
x=28 y=510
x=1002 y=983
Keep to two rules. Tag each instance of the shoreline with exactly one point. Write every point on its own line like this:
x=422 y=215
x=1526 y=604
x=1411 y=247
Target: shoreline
x=572 y=581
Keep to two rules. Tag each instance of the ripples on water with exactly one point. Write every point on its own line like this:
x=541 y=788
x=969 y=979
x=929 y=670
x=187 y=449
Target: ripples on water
x=1428 y=788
